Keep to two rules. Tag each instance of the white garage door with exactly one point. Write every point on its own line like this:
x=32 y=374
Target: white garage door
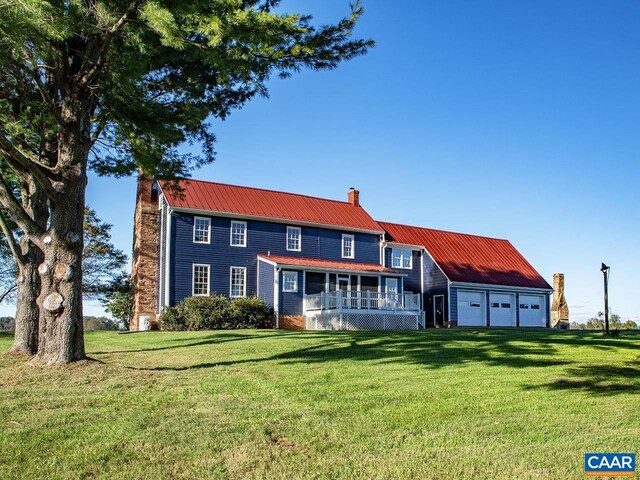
x=502 y=310
x=471 y=309
x=532 y=311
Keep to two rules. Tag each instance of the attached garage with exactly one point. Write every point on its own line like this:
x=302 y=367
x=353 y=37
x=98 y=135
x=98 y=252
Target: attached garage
x=502 y=310
x=532 y=311
x=471 y=309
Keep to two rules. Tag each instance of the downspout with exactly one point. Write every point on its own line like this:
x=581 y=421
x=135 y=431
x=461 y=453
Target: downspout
x=276 y=295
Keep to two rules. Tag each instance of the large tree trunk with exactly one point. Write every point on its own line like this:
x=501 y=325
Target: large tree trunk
x=34 y=201
x=61 y=333
x=61 y=336
x=25 y=340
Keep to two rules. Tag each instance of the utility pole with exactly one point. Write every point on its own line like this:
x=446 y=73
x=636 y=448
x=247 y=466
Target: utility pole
x=605 y=272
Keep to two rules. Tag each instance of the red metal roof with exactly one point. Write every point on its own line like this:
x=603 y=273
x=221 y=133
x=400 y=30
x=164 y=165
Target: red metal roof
x=237 y=200
x=326 y=264
x=470 y=258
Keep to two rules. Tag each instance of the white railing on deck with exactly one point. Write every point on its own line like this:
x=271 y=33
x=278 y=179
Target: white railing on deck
x=362 y=300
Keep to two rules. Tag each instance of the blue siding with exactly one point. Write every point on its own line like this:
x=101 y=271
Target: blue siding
x=411 y=282
x=265 y=282
x=453 y=304
x=262 y=237
x=435 y=283
x=291 y=302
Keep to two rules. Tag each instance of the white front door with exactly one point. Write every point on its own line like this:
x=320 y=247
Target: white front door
x=471 y=309
x=502 y=310
x=532 y=311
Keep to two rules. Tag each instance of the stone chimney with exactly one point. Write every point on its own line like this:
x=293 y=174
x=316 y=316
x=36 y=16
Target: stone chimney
x=145 y=255
x=559 y=307
x=353 y=197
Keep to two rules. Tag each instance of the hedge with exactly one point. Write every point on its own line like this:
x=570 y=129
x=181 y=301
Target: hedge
x=216 y=312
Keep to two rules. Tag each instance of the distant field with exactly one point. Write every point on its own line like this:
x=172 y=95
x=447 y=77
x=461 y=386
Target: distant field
x=435 y=404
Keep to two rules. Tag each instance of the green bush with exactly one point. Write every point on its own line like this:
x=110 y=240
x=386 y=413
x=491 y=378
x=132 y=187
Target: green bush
x=216 y=312
x=250 y=312
x=171 y=319
x=205 y=313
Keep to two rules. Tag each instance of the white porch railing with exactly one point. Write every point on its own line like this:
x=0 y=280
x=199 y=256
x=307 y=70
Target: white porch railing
x=362 y=301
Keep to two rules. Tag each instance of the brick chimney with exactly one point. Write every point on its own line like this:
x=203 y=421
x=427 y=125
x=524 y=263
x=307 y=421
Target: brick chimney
x=353 y=197
x=145 y=254
x=559 y=307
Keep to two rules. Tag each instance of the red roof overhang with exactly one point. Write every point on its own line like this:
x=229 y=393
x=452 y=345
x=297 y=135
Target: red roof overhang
x=327 y=265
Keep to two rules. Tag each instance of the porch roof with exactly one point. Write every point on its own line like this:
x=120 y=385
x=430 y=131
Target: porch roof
x=328 y=265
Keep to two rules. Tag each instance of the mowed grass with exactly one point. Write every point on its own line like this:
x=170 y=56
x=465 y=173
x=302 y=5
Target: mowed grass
x=276 y=404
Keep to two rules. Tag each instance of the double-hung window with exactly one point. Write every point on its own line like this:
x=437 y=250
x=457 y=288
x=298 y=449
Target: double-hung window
x=238 y=234
x=200 y=279
x=348 y=246
x=201 y=230
x=294 y=239
x=289 y=281
x=238 y=282
x=400 y=258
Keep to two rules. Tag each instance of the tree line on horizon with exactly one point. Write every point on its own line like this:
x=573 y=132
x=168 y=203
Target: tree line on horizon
x=597 y=323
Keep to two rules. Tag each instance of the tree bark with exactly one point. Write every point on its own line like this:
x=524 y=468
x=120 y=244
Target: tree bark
x=61 y=336
x=61 y=333
x=25 y=340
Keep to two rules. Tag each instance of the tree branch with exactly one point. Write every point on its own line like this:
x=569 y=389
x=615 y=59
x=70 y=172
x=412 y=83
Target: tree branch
x=9 y=202
x=11 y=241
x=24 y=162
x=8 y=292
x=106 y=43
x=34 y=73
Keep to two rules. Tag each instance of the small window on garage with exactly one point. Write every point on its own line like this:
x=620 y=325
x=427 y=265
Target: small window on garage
x=505 y=305
x=524 y=306
x=495 y=305
x=474 y=304
x=463 y=304
x=535 y=307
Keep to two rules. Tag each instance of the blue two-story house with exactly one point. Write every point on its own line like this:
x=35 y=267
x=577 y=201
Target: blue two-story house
x=322 y=264
x=317 y=262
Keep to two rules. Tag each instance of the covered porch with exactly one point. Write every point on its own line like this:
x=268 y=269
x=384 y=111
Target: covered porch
x=363 y=310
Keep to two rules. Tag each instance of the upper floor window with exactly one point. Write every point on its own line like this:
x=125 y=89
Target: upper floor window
x=238 y=282
x=201 y=230
x=200 y=279
x=238 y=234
x=289 y=281
x=400 y=258
x=294 y=239
x=348 y=246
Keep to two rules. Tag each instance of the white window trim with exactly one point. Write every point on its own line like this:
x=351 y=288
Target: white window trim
x=209 y=230
x=244 y=244
x=401 y=262
x=353 y=245
x=299 y=249
x=193 y=280
x=284 y=272
x=244 y=286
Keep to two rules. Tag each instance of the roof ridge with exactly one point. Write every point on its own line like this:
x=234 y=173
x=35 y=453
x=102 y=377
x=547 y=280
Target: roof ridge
x=269 y=190
x=443 y=231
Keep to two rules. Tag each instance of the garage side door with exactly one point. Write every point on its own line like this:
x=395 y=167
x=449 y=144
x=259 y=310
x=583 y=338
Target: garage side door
x=502 y=311
x=532 y=312
x=471 y=309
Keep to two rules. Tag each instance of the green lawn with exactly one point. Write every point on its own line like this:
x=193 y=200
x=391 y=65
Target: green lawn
x=274 y=404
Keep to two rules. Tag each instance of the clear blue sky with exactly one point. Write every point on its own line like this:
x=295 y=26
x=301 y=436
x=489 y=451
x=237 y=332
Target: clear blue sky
x=518 y=120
